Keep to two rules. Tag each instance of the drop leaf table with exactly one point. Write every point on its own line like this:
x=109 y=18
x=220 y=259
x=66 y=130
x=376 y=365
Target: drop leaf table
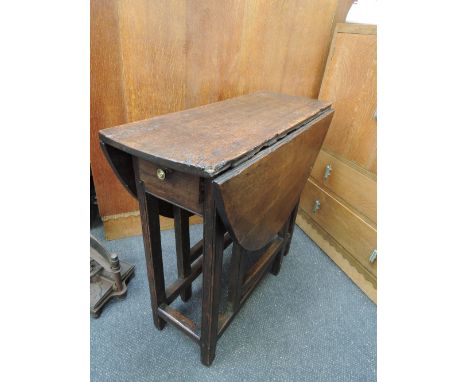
x=241 y=164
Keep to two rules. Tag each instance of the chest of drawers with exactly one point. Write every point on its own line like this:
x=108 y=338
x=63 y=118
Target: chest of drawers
x=338 y=208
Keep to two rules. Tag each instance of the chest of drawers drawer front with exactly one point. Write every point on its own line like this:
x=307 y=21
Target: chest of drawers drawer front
x=173 y=186
x=354 y=187
x=354 y=234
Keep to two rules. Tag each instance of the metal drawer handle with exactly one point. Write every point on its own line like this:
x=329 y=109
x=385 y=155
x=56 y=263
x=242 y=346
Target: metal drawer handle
x=316 y=206
x=161 y=174
x=328 y=170
x=373 y=256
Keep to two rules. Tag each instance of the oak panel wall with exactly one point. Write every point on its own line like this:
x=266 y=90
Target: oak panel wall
x=155 y=57
x=108 y=107
x=351 y=74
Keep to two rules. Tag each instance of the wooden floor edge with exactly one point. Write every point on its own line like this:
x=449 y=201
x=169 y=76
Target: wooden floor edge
x=363 y=284
x=128 y=225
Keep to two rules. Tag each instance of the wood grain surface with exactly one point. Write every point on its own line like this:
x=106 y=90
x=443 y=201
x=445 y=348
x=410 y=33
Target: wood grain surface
x=256 y=198
x=108 y=105
x=179 y=189
x=354 y=234
x=150 y=58
x=350 y=82
x=209 y=139
x=345 y=223
x=349 y=183
x=353 y=269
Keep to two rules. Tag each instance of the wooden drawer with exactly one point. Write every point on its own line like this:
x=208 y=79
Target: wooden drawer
x=177 y=188
x=347 y=228
x=347 y=182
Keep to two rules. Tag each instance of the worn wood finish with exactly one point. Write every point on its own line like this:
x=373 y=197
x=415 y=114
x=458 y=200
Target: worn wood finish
x=276 y=176
x=213 y=233
x=149 y=212
x=255 y=201
x=236 y=277
x=173 y=290
x=181 y=322
x=356 y=235
x=181 y=284
x=209 y=139
x=182 y=236
x=276 y=266
x=197 y=249
x=241 y=285
x=350 y=82
x=292 y=224
x=351 y=183
x=245 y=284
x=286 y=234
x=123 y=167
x=177 y=188
x=154 y=57
x=255 y=273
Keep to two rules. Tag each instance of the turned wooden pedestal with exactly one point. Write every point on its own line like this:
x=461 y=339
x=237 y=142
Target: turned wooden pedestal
x=241 y=164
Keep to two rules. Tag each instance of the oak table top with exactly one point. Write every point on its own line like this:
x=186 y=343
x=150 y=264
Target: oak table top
x=208 y=140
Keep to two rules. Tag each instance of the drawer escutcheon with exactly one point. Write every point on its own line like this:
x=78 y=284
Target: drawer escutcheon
x=161 y=174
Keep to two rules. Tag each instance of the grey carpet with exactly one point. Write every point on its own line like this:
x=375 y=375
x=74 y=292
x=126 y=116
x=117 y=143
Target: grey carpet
x=309 y=323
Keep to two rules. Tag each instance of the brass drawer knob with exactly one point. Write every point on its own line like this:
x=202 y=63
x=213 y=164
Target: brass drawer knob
x=316 y=206
x=161 y=174
x=328 y=170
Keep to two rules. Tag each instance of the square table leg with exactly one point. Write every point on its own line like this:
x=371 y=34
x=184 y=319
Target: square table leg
x=213 y=239
x=292 y=224
x=276 y=266
x=236 y=277
x=286 y=233
x=149 y=213
x=182 y=236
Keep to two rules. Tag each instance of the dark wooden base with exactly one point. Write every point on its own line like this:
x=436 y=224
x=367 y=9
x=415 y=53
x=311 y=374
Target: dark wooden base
x=204 y=257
